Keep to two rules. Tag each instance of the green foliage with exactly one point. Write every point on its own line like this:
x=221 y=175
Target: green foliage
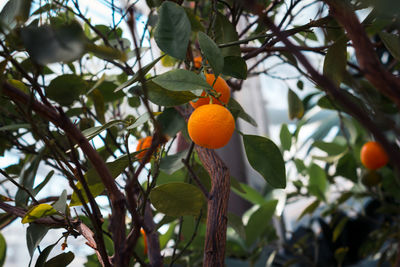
x=211 y=52
x=264 y=156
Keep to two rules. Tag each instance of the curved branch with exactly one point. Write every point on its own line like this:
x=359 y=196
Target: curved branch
x=370 y=65
x=117 y=199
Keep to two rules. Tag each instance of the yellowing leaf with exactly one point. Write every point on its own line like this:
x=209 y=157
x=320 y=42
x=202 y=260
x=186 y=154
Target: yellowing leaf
x=38 y=212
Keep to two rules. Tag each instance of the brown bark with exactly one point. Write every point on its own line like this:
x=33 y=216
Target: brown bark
x=215 y=241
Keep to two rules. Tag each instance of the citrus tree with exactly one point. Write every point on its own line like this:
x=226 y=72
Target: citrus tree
x=84 y=103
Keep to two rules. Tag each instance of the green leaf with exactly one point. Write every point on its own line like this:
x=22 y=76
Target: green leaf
x=265 y=157
x=296 y=108
x=173 y=29
x=237 y=111
x=105 y=52
x=65 y=89
x=163 y=97
x=14 y=127
x=136 y=76
x=249 y=194
x=236 y=185
x=347 y=167
x=99 y=106
x=259 y=221
x=339 y=228
x=43 y=255
x=225 y=32
x=90 y=133
x=3 y=250
x=59 y=42
x=94 y=182
x=336 y=60
x=318 y=183
x=235 y=66
x=13 y=11
x=61 y=203
x=309 y=209
x=330 y=147
x=236 y=223
x=35 y=234
x=165 y=238
x=177 y=199
x=61 y=260
x=211 y=52
x=171 y=163
x=181 y=80
x=38 y=212
x=285 y=137
x=139 y=121
x=392 y=43
x=171 y=122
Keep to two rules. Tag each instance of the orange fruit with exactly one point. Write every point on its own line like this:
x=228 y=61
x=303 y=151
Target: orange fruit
x=373 y=156
x=198 y=61
x=220 y=86
x=144 y=240
x=144 y=144
x=211 y=126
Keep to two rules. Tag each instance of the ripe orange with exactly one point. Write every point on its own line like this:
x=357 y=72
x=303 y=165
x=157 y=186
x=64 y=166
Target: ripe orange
x=373 y=156
x=198 y=61
x=211 y=126
x=144 y=240
x=144 y=144
x=220 y=86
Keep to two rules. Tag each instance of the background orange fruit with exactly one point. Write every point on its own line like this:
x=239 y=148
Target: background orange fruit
x=373 y=156
x=144 y=143
x=211 y=126
x=220 y=86
x=198 y=61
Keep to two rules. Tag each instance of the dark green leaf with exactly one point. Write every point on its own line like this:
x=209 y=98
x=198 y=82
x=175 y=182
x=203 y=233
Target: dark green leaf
x=54 y=43
x=136 y=76
x=347 y=167
x=171 y=122
x=237 y=111
x=296 y=108
x=264 y=156
x=3 y=250
x=225 y=32
x=65 y=89
x=99 y=106
x=173 y=30
x=43 y=255
x=318 y=182
x=35 y=234
x=310 y=208
x=235 y=66
x=236 y=185
x=14 y=11
x=211 y=52
x=177 y=199
x=285 y=137
x=61 y=260
x=259 y=221
x=236 y=223
x=163 y=97
x=392 y=43
x=336 y=60
x=339 y=228
x=181 y=80
x=107 y=89
x=171 y=163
